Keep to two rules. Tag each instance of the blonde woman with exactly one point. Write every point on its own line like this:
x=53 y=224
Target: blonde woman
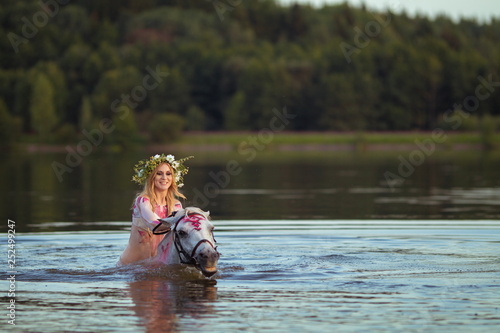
x=161 y=176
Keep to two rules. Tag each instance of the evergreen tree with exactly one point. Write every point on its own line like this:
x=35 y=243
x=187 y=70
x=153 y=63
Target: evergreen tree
x=235 y=113
x=85 y=120
x=42 y=108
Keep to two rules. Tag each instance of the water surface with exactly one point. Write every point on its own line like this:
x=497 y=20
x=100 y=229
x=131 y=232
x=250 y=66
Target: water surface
x=291 y=185
x=271 y=279
x=310 y=242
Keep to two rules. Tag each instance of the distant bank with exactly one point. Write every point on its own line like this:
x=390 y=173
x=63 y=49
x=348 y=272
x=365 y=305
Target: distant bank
x=303 y=141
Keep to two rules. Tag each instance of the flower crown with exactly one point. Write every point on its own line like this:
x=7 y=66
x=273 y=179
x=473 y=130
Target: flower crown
x=144 y=168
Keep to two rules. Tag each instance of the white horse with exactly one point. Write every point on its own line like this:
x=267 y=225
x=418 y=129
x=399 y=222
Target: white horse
x=189 y=240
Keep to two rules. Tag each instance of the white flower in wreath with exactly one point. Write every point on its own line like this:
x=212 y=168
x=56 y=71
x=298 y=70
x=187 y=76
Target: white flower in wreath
x=156 y=156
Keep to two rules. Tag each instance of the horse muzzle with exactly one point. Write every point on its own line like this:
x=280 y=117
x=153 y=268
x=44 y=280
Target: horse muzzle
x=206 y=259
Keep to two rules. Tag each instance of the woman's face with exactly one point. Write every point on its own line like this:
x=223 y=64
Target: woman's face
x=163 y=177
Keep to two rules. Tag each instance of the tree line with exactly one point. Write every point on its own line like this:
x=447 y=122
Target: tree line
x=160 y=66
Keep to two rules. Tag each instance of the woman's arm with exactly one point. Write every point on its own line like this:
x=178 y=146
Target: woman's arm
x=146 y=211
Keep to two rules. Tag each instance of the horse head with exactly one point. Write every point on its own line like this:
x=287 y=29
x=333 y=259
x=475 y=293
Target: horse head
x=191 y=233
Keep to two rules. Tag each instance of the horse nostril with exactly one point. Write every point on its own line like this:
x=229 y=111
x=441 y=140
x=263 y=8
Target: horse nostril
x=204 y=255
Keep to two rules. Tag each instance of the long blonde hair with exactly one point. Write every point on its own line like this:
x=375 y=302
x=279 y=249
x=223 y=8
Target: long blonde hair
x=172 y=192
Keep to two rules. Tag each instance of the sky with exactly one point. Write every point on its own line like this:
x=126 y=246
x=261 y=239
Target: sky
x=482 y=10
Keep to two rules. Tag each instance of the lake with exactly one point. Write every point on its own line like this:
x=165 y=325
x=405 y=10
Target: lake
x=311 y=241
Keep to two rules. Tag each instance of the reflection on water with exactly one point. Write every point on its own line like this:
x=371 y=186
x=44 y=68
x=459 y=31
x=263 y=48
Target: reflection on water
x=160 y=304
x=306 y=185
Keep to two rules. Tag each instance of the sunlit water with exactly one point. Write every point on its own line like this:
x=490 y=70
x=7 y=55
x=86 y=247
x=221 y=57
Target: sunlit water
x=275 y=276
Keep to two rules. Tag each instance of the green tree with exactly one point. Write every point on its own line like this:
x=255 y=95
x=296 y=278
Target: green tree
x=297 y=26
x=264 y=85
x=406 y=72
x=85 y=119
x=195 y=119
x=124 y=133
x=10 y=126
x=92 y=70
x=235 y=114
x=118 y=86
x=42 y=108
x=341 y=104
x=166 y=127
x=57 y=80
x=172 y=94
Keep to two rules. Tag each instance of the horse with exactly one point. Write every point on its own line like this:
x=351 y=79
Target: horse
x=189 y=240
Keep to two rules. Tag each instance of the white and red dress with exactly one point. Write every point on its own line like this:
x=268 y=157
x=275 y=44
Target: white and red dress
x=142 y=243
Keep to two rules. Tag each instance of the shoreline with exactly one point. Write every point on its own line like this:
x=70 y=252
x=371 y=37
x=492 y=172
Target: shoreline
x=289 y=142
x=345 y=147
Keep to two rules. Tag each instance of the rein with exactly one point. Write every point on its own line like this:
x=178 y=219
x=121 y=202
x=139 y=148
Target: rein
x=189 y=259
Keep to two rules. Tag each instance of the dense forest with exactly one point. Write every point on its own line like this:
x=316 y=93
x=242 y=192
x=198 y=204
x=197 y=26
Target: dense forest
x=160 y=66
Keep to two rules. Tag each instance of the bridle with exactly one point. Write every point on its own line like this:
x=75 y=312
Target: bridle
x=184 y=257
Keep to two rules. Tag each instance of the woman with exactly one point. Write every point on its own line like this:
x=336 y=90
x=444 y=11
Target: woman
x=161 y=176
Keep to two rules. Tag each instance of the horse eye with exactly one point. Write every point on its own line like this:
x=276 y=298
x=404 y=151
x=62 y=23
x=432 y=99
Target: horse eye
x=182 y=233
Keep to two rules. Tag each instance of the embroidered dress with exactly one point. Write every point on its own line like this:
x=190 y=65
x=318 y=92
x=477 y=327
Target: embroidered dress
x=143 y=243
